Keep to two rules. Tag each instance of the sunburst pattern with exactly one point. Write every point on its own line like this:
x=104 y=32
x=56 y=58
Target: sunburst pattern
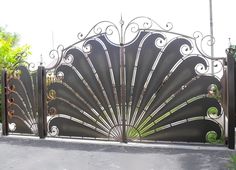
x=22 y=113
x=168 y=93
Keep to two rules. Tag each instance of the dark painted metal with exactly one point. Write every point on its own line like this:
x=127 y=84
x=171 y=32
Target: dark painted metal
x=186 y=130
x=135 y=91
x=155 y=87
x=123 y=92
x=123 y=82
x=4 y=103
x=42 y=113
x=231 y=98
x=21 y=97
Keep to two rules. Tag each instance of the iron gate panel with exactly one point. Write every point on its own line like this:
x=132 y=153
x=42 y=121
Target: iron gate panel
x=22 y=102
x=90 y=85
x=167 y=94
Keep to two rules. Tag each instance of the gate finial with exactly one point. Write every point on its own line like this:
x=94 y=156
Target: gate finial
x=230 y=42
x=121 y=30
x=41 y=60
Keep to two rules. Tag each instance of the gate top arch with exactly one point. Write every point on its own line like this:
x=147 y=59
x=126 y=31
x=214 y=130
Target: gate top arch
x=125 y=34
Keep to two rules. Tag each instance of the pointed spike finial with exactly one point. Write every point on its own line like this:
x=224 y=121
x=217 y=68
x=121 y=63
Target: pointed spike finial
x=121 y=29
x=121 y=20
x=230 y=41
x=41 y=60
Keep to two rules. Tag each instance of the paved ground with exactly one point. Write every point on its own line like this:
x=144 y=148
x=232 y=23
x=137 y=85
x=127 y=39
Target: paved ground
x=35 y=154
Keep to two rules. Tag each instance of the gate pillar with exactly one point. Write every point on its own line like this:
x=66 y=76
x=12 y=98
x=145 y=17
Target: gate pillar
x=231 y=98
x=42 y=117
x=4 y=104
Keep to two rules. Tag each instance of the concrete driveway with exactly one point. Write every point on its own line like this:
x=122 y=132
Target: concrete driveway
x=24 y=153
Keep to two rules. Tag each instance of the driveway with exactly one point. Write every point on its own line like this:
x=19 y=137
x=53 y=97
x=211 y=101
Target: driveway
x=28 y=153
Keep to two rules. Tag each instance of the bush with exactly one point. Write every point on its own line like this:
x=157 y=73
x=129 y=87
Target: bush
x=11 y=54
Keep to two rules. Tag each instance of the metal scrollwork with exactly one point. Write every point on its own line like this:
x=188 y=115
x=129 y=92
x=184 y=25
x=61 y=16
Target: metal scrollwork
x=155 y=82
x=54 y=131
x=52 y=110
x=201 y=69
x=103 y=27
x=56 y=56
x=32 y=67
x=160 y=42
x=145 y=23
x=22 y=113
x=202 y=41
x=211 y=136
x=12 y=127
x=213 y=113
x=69 y=59
x=186 y=49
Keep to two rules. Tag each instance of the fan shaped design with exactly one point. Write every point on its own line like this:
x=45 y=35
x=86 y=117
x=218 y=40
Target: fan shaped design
x=168 y=94
x=22 y=113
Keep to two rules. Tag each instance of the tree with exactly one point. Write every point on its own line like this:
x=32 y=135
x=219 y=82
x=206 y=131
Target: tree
x=11 y=54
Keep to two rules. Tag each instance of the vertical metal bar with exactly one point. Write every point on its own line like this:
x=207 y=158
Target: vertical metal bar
x=123 y=92
x=42 y=117
x=212 y=36
x=224 y=94
x=231 y=99
x=4 y=103
x=123 y=81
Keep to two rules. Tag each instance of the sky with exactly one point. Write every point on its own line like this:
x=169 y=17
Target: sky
x=38 y=21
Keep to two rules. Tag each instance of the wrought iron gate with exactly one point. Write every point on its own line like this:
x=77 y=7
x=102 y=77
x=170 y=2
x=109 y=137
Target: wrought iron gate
x=156 y=85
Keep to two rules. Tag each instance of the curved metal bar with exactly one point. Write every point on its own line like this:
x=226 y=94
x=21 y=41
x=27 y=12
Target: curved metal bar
x=56 y=54
x=98 y=30
x=65 y=116
x=184 y=121
x=91 y=92
x=32 y=127
x=86 y=114
x=196 y=36
x=28 y=115
x=140 y=23
x=145 y=25
x=128 y=125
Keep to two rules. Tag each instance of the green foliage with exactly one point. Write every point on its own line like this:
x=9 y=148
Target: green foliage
x=232 y=163
x=11 y=54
